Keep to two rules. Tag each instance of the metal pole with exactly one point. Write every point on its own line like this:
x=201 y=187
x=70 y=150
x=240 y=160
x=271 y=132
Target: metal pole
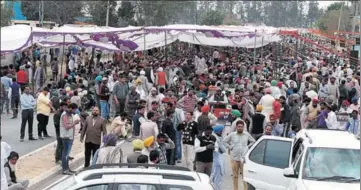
x=254 y=50
x=32 y=74
x=262 y=47
x=359 y=56
x=62 y=58
x=339 y=22
x=42 y=13
x=144 y=42
x=165 y=45
x=107 y=17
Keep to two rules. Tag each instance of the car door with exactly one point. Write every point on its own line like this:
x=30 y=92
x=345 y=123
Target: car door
x=265 y=161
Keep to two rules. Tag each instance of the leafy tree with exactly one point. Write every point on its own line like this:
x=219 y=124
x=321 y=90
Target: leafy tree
x=30 y=9
x=98 y=12
x=158 y=13
x=126 y=13
x=6 y=14
x=313 y=12
x=335 y=6
x=292 y=13
x=212 y=17
x=61 y=12
x=328 y=22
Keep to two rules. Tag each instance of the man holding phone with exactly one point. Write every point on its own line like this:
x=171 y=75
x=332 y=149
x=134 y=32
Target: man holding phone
x=67 y=130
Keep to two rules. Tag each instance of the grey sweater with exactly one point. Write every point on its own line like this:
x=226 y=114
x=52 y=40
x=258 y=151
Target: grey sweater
x=66 y=126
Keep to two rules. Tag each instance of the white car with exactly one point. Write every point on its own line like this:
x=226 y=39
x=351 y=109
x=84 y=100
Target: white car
x=314 y=160
x=107 y=177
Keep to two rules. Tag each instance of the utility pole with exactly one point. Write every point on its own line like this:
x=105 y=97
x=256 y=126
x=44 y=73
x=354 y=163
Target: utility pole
x=41 y=13
x=355 y=15
x=107 y=18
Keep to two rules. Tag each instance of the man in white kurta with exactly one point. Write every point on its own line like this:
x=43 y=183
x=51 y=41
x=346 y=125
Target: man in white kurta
x=267 y=103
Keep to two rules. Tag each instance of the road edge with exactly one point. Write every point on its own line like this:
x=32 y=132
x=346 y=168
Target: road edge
x=57 y=170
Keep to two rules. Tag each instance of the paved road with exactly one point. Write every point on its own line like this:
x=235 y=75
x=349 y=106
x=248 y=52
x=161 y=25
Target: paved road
x=10 y=132
x=127 y=149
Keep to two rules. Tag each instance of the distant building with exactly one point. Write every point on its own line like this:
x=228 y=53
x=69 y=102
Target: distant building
x=33 y=23
x=16 y=5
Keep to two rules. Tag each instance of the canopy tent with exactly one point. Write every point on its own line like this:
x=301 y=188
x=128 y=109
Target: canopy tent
x=17 y=37
x=133 y=38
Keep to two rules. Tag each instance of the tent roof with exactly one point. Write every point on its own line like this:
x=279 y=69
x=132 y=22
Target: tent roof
x=74 y=29
x=18 y=37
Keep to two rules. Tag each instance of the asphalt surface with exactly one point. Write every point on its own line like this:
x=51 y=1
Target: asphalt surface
x=227 y=183
x=10 y=132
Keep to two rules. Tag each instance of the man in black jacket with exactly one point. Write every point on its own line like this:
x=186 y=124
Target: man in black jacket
x=258 y=123
x=189 y=129
x=168 y=129
x=204 y=146
x=284 y=118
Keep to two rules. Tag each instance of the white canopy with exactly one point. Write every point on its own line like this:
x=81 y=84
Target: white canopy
x=18 y=37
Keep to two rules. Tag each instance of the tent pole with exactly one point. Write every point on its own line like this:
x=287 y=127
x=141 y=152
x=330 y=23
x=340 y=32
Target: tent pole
x=62 y=58
x=144 y=42
x=254 y=50
x=165 y=45
x=33 y=68
x=262 y=47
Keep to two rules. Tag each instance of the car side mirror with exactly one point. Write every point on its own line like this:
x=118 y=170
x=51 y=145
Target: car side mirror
x=289 y=172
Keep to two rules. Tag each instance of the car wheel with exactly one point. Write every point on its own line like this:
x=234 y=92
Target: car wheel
x=250 y=187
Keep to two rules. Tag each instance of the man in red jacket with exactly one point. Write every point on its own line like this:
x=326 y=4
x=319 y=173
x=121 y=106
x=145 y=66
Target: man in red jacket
x=22 y=78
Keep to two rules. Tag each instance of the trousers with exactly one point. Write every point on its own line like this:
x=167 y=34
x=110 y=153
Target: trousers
x=104 y=109
x=42 y=123
x=27 y=116
x=67 y=144
x=15 y=105
x=188 y=155
x=237 y=167
x=5 y=101
x=90 y=149
x=204 y=167
x=20 y=185
x=178 y=145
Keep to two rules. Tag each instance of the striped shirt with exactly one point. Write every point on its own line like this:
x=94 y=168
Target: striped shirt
x=188 y=103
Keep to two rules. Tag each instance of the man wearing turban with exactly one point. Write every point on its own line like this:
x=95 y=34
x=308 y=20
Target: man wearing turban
x=138 y=146
x=149 y=145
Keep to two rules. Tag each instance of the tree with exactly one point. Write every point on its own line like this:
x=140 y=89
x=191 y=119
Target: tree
x=212 y=17
x=61 y=12
x=6 y=15
x=30 y=9
x=335 y=6
x=328 y=22
x=313 y=12
x=98 y=12
x=126 y=13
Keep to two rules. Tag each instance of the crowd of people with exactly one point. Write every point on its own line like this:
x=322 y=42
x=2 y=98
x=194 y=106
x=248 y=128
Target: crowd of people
x=167 y=105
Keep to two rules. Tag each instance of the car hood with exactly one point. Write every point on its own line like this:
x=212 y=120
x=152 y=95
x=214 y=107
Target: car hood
x=329 y=185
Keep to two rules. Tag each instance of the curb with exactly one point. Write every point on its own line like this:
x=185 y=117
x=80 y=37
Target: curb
x=54 y=170
x=51 y=173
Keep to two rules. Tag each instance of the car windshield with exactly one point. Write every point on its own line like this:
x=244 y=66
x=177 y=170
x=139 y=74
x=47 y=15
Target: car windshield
x=332 y=164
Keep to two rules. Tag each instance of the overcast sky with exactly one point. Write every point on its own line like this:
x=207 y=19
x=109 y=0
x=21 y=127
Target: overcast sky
x=324 y=4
